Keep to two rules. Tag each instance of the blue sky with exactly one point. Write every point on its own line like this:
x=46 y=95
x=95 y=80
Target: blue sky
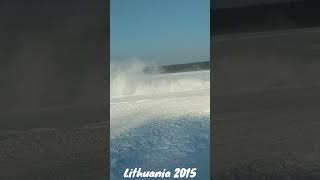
x=160 y=31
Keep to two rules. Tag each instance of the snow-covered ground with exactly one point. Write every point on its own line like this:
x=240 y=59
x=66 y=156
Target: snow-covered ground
x=163 y=122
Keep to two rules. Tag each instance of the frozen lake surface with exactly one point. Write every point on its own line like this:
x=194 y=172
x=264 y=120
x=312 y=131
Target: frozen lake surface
x=163 y=123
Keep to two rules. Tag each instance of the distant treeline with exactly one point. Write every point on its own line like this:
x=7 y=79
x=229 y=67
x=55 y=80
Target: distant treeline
x=198 y=66
x=266 y=17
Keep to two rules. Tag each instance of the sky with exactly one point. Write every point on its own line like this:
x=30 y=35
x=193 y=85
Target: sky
x=160 y=32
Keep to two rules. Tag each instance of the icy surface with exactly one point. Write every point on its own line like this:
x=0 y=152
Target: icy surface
x=161 y=129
